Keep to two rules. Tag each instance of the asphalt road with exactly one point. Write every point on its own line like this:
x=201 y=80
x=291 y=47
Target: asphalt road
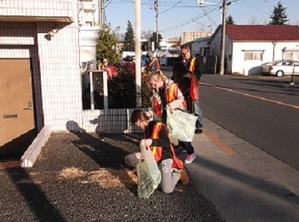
x=261 y=110
x=243 y=117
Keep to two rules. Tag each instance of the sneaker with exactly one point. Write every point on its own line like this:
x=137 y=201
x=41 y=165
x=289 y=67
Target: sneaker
x=184 y=178
x=190 y=158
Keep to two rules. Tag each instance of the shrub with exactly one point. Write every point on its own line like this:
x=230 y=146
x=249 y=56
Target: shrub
x=122 y=88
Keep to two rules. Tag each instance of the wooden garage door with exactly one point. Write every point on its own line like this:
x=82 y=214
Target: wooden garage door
x=17 y=127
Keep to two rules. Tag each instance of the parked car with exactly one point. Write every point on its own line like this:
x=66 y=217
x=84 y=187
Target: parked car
x=280 y=68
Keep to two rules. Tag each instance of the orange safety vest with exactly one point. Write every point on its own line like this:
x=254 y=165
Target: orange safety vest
x=192 y=65
x=194 y=82
x=157 y=150
x=157 y=63
x=156 y=107
x=171 y=94
x=193 y=89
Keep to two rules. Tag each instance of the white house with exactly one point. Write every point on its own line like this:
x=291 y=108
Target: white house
x=248 y=46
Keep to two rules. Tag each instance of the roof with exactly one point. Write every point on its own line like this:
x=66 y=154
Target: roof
x=202 y=39
x=263 y=32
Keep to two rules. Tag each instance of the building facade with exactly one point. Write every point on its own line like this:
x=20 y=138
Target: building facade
x=45 y=46
x=248 y=46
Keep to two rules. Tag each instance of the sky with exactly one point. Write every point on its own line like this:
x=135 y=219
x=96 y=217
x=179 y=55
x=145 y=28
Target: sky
x=177 y=16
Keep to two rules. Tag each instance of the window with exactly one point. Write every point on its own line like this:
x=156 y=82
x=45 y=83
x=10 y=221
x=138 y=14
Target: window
x=291 y=55
x=296 y=63
x=288 y=55
x=253 y=55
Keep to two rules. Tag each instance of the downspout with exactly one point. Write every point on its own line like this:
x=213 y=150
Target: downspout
x=273 y=53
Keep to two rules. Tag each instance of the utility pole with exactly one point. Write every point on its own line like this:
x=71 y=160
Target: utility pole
x=138 y=52
x=156 y=7
x=223 y=31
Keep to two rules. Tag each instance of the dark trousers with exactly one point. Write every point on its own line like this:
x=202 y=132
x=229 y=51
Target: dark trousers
x=187 y=146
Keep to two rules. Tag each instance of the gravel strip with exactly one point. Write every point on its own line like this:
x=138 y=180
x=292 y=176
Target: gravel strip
x=82 y=177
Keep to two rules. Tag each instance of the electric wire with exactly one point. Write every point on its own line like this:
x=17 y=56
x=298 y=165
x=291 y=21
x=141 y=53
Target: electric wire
x=193 y=19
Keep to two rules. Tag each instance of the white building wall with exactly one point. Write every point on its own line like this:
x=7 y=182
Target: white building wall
x=270 y=50
x=190 y=36
x=42 y=8
x=60 y=77
x=56 y=65
x=54 y=60
x=235 y=53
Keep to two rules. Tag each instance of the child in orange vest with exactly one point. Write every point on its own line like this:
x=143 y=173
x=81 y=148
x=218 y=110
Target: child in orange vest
x=166 y=94
x=157 y=139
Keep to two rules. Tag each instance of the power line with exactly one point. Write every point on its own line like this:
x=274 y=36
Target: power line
x=195 y=18
x=209 y=17
x=173 y=6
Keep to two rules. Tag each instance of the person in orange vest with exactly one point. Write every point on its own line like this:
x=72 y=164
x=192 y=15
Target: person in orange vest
x=153 y=62
x=167 y=94
x=107 y=68
x=156 y=138
x=193 y=65
x=188 y=84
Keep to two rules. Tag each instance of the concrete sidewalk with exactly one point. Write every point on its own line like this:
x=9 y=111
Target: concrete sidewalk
x=242 y=181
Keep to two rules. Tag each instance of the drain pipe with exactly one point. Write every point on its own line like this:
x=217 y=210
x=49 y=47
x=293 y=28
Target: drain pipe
x=273 y=53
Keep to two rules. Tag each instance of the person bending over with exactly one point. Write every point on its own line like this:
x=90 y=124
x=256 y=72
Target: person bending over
x=157 y=140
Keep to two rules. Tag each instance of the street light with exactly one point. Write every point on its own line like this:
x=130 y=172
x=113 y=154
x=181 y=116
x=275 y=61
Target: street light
x=202 y=3
x=156 y=6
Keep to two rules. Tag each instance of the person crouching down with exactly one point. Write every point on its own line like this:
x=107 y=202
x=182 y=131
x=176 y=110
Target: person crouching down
x=157 y=139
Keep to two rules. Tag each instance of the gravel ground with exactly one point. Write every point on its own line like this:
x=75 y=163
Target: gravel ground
x=82 y=177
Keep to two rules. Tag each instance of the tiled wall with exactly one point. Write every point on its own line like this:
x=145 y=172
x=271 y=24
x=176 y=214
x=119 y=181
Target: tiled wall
x=36 y=8
x=60 y=77
x=55 y=69
x=108 y=121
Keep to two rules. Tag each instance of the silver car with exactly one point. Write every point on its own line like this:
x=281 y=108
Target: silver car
x=281 y=68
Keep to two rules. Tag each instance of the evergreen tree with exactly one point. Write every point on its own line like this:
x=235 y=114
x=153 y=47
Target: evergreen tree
x=230 y=20
x=129 y=42
x=106 y=45
x=279 y=16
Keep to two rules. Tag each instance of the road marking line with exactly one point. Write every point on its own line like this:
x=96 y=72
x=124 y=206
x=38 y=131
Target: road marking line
x=252 y=96
x=218 y=142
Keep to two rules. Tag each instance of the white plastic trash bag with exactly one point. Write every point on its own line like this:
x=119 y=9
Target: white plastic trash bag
x=148 y=173
x=181 y=125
